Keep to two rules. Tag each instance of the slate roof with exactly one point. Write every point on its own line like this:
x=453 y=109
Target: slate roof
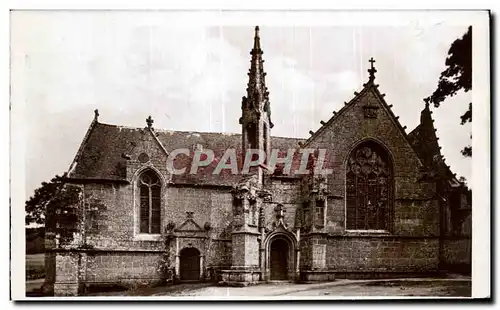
x=424 y=141
x=100 y=155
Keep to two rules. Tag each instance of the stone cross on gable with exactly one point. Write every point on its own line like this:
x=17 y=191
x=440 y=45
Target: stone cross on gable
x=427 y=102
x=372 y=61
x=149 y=121
x=189 y=215
x=372 y=69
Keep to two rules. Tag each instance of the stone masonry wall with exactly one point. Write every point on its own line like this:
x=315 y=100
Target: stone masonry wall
x=117 y=253
x=457 y=254
x=413 y=245
x=415 y=209
x=382 y=254
x=122 y=267
x=286 y=193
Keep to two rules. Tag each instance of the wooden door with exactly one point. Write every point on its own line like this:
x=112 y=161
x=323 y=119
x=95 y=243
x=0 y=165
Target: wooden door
x=279 y=260
x=190 y=264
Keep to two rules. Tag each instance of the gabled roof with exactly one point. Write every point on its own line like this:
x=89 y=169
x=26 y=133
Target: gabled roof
x=367 y=87
x=101 y=155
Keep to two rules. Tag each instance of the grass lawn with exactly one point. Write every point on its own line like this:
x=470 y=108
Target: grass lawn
x=35 y=266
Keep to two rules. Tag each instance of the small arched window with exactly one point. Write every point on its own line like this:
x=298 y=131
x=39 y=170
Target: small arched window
x=150 y=202
x=369 y=188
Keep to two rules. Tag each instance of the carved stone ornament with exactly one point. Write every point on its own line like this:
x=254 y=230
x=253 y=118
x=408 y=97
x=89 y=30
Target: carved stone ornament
x=370 y=111
x=170 y=226
x=265 y=195
x=319 y=186
x=280 y=216
x=246 y=189
x=143 y=158
x=262 y=218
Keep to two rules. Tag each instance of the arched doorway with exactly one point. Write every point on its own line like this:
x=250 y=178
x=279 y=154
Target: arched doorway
x=279 y=259
x=189 y=264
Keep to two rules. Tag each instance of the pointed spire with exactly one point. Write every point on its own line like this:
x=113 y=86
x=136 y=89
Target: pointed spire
x=256 y=40
x=257 y=93
x=429 y=149
x=425 y=115
x=372 y=70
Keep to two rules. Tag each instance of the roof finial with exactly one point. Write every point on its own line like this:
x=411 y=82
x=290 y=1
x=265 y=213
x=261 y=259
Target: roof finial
x=256 y=41
x=427 y=102
x=372 y=69
x=149 y=121
x=96 y=115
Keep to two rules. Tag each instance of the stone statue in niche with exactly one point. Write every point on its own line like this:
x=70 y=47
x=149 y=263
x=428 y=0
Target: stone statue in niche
x=280 y=216
x=254 y=214
x=237 y=206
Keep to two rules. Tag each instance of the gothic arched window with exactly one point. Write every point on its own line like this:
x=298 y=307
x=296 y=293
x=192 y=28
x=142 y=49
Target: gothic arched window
x=369 y=188
x=150 y=202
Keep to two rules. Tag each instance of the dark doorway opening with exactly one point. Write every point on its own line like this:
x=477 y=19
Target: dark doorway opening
x=279 y=259
x=189 y=264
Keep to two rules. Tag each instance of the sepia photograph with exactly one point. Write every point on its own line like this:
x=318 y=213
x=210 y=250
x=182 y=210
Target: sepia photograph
x=215 y=155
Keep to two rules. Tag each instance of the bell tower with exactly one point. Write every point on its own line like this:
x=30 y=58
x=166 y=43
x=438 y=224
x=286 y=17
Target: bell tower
x=256 y=111
x=247 y=236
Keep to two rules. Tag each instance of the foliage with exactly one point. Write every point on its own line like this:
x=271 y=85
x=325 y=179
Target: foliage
x=49 y=196
x=165 y=264
x=457 y=76
x=35 y=240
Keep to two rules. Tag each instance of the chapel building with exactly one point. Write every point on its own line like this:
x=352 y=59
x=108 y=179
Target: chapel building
x=391 y=206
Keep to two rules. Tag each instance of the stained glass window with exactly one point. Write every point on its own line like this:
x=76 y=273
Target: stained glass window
x=150 y=203
x=369 y=188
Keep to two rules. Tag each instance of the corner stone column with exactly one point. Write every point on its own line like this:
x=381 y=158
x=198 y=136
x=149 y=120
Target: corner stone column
x=177 y=261
x=67 y=275
x=245 y=268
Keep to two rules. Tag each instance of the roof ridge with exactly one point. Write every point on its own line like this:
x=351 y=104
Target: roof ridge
x=163 y=130
x=335 y=116
x=92 y=125
x=370 y=85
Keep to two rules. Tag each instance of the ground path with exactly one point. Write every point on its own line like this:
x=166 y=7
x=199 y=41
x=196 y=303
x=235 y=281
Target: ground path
x=451 y=285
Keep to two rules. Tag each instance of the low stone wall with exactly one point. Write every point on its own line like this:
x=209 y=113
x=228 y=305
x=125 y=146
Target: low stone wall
x=313 y=275
x=239 y=277
x=456 y=254
x=123 y=267
x=77 y=270
x=381 y=254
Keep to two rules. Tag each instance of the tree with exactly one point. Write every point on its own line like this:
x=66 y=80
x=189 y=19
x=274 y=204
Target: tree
x=50 y=195
x=457 y=76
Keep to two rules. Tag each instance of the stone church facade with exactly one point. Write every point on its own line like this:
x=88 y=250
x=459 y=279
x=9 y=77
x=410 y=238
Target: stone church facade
x=391 y=206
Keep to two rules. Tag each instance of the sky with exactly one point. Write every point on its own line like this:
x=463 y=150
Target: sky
x=191 y=76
